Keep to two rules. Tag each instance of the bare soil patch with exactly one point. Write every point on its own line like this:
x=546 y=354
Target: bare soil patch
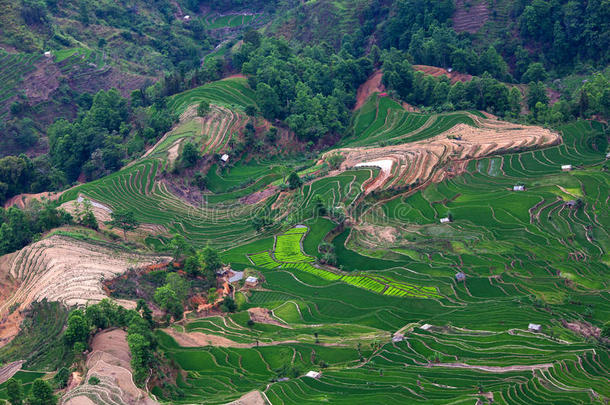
x=109 y=360
x=22 y=200
x=259 y=195
x=198 y=339
x=438 y=71
x=263 y=315
x=63 y=269
x=10 y=370
x=373 y=84
x=251 y=398
x=582 y=328
x=39 y=84
x=446 y=154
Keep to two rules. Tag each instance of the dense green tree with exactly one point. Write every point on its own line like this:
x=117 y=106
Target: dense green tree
x=514 y=101
x=203 y=108
x=189 y=155
x=535 y=73
x=42 y=393
x=167 y=299
x=179 y=285
x=209 y=259
x=536 y=94
x=77 y=329
x=61 y=377
x=124 y=220
x=139 y=347
x=294 y=181
x=14 y=391
x=228 y=305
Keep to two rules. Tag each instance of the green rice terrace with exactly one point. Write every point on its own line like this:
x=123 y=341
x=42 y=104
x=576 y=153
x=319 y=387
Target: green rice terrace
x=499 y=302
x=13 y=68
x=273 y=202
x=392 y=323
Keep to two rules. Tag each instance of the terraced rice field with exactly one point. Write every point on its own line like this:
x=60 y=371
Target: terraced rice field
x=223 y=222
x=288 y=255
x=527 y=258
x=383 y=121
x=13 y=67
x=215 y=21
x=232 y=93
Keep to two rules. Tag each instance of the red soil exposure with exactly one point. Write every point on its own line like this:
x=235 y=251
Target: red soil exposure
x=468 y=17
x=259 y=195
x=21 y=200
x=437 y=72
x=372 y=85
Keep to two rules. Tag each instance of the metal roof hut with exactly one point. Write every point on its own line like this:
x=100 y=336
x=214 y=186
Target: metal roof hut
x=519 y=187
x=461 y=276
x=566 y=168
x=534 y=327
x=251 y=281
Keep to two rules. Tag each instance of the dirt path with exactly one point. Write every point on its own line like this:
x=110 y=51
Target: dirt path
x=10 y=370
x=373 y=84
x=251 y=398
x=494 y=369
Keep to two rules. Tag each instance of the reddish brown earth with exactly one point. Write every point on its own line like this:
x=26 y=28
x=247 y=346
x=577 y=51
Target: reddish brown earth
x=373 y=84
x=259 y=195
x=437 y=72
x=583 y=328
x=21 y=200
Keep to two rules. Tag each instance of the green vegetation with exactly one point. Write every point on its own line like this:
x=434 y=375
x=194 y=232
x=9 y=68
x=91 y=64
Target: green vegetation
x=357 y=277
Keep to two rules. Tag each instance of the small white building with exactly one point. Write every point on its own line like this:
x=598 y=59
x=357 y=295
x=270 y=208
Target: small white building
x=224 y=158
x=425 y=326
x=518 y=188
x=48 y=54
x=534 y=327
x=251 y=280
x=186 y=17
x=450 y=70
x=398 y=338
x=566 y=168
x=608 y=155
x=313 y=374
x=461 y=276
x=445 y=220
